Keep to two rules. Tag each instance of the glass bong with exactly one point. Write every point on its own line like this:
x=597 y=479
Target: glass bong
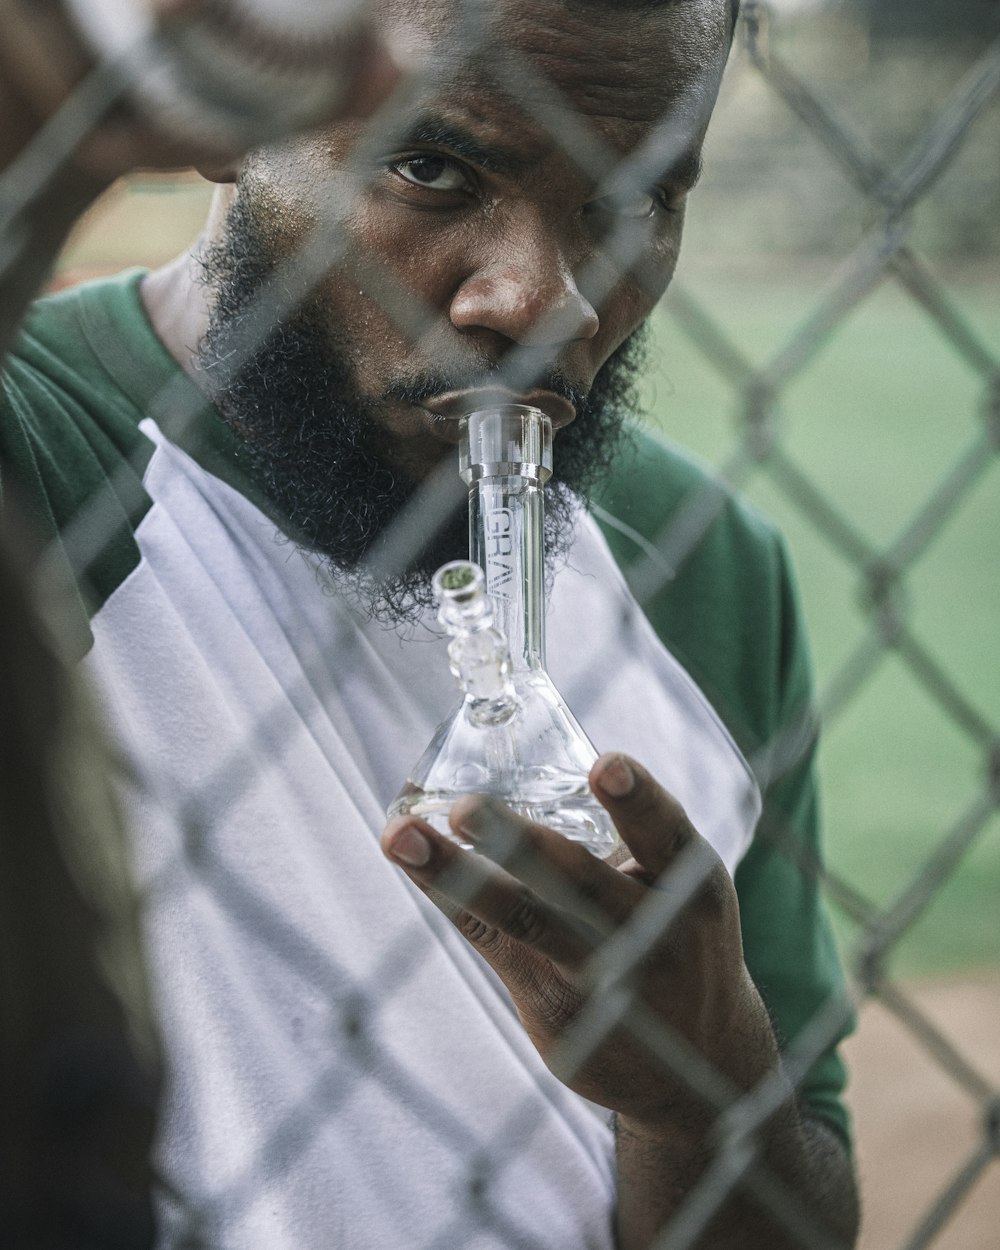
x=512 y=735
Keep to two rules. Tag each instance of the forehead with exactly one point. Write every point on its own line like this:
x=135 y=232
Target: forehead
x=619 y=70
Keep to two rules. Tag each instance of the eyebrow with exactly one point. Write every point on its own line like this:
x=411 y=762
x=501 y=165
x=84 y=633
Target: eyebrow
x=687 y=169
x=667 y=156
x=436 y=132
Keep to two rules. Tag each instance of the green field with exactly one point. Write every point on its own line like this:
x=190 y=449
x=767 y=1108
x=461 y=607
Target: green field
x=876 y=420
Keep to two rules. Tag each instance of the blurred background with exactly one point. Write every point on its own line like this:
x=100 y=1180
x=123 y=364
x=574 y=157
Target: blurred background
x=832 y=347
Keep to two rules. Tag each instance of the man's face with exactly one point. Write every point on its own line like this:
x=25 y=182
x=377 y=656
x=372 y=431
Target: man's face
x=493 y=242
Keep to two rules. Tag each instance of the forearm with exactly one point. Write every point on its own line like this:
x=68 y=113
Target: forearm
x=38 y=205
x=674 y=1180
x=30 y=241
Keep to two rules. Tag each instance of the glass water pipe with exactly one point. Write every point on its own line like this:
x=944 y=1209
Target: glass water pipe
x=512 y=735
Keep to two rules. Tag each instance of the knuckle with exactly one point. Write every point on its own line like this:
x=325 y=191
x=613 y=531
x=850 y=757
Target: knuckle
x=478 y=932
x=525 y=920
x=646 y=803
x=677 y=831
x=663 y=819
x=652 y=803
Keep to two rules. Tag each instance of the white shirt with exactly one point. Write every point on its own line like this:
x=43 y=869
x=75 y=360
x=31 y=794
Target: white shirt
x=344 y=1070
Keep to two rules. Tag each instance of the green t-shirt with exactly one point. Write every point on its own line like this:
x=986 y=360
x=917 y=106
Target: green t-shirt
x=88 y=369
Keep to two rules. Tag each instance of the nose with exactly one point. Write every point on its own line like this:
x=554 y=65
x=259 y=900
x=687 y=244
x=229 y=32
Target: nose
x=525 y=291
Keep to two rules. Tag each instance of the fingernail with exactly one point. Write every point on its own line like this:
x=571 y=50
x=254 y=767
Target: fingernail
x=410 y=847
x=617 y=778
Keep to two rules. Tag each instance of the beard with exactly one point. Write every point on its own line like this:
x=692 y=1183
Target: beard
x=313 y=445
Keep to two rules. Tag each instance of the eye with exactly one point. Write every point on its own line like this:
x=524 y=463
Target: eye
x=635 y=205
x=436 y=173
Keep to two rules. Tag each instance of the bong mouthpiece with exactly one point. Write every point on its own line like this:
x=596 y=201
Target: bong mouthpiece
x=508 y=440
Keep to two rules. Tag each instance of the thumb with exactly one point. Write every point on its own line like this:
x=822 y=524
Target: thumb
x=651 y=822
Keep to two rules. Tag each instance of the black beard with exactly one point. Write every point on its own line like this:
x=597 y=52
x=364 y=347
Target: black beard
x=311 y=443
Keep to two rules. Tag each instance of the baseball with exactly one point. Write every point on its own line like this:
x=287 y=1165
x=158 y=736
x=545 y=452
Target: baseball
x=239 y=71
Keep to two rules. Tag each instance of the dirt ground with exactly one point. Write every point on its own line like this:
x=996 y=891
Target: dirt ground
x=916 y=1125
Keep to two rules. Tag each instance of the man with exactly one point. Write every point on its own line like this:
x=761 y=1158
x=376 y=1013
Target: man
x=345 y=1066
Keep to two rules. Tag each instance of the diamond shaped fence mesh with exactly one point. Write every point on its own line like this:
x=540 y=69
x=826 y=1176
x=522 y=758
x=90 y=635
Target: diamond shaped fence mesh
x=879 y=546
x=828 y=261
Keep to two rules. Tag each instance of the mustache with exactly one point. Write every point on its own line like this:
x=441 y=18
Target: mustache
x=427 y=384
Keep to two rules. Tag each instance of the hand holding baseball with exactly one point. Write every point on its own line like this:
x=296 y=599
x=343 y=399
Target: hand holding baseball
x=192 y=80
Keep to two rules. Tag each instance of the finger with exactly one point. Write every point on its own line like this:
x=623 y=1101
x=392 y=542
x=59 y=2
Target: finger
x=562 y=872
x=492 y=909
x=651 y=822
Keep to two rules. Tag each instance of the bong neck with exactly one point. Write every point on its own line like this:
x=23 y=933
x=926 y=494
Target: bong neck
x=506 y=458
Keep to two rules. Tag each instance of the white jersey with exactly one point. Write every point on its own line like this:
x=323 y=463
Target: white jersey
x=343 y=1070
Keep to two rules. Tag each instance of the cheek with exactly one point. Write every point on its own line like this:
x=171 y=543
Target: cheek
x=626 y=283
x=628 y=305
x=285 y=194
x=390 y=293
x=364 y=333
x=375 y=323
x=413 y=257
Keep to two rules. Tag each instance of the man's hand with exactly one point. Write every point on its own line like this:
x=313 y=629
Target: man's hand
x=203 y=81
x=630 y=981
x=186 y=83
x=547 y=922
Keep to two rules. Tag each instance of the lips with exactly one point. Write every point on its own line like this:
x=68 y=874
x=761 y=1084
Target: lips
x=445 y=410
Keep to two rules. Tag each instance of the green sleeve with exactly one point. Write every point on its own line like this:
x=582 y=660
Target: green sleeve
x=71 y=454
x=715 y=583
x=84 y=372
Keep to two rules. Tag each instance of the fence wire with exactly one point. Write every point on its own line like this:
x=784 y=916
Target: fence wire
x=760 y=393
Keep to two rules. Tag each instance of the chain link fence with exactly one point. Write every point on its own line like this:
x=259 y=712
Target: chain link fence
x=764 y=405
x=762 y=393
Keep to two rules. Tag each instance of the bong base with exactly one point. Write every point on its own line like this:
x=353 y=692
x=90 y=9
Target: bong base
x=574 y=813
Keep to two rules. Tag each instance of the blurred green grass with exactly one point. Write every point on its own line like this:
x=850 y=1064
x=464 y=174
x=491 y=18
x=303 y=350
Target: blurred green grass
x=882 y=412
